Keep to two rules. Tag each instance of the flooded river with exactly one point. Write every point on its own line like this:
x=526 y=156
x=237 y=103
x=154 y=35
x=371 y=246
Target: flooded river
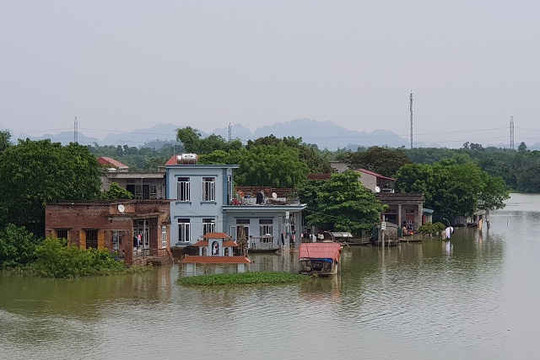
x=477 y=296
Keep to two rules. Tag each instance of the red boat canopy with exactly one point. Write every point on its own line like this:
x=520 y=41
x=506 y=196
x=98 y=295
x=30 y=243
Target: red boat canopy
x=320 y=251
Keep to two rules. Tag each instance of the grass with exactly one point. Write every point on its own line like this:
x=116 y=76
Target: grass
x=242 y=279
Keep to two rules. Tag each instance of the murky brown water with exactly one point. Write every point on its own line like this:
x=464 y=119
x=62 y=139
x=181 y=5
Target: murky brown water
x=475 y=297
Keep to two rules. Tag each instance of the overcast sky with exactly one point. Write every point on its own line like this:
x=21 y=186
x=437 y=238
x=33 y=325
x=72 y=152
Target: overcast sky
x=132 y=64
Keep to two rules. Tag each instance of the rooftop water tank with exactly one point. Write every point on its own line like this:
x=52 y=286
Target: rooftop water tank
x=187 y=159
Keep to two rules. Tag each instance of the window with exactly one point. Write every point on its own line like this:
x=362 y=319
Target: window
x=62 y=233
x=163 y=236
x=209 y=226
x=209 y=189
x=184 y=230
x=115 y=240
x=183 y=189
x=91 y=239
x=266 y=227
x=153 y=192
x=242 y=221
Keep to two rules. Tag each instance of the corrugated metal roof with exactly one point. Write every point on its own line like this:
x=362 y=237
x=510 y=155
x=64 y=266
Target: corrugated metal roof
x=320 y=251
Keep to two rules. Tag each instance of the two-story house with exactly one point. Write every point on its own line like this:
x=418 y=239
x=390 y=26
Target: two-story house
x=204 y=201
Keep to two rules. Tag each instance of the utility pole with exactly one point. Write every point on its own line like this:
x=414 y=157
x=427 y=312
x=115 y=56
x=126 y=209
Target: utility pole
x=411 y=111
x=512 y=144
x=76 y=130
x=229 y=132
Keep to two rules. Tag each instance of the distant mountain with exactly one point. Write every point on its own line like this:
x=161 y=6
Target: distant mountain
x=66 y=137
x=141 y=136
x=325 y=134
x=328 y=135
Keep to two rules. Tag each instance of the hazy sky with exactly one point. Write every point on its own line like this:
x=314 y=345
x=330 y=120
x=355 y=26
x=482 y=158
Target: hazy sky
x=132 y=64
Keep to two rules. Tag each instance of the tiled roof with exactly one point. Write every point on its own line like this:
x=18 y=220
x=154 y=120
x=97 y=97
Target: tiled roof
x=201 y=243
x=188 y=259
x=172 y=161
x=365 y=171
x=216 y=235
x=107 y=161
x=229 y=243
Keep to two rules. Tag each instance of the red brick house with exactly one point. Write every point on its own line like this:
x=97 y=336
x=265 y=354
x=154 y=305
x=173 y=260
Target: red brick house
x=136 y=231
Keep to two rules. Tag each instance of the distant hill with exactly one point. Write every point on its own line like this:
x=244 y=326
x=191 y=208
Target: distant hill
x=325 y=134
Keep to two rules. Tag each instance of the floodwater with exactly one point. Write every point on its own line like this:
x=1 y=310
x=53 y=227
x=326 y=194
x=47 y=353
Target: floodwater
x=477 y=296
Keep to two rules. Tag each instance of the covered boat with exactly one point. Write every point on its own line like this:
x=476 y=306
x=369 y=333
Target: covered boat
x=319 y=258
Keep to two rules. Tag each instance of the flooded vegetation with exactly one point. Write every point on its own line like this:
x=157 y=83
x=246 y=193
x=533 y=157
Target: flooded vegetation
x=475 y=296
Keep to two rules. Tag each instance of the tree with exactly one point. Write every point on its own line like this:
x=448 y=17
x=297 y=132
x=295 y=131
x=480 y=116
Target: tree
x=194 y=143
x=522 y=147
x=382 y=160
x=343 y=204
x=116 y=192
x=453 y=187
x=34 y=173
x=5 y=137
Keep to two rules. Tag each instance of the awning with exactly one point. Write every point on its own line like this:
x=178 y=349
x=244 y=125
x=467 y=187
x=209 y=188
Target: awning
x=320 y=251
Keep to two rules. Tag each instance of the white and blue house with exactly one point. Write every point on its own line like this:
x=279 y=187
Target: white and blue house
x=204 y=201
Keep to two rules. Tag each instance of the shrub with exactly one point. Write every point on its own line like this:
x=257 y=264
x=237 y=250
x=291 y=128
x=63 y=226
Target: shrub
x=432 y=228
x=54 y=258
x=17 y=246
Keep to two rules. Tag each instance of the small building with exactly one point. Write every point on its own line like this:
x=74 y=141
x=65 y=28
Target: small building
x=403 y=209
x=339 y=166
x=143 y=185
x=376 y=182
x=137 y=232
x=216 y=248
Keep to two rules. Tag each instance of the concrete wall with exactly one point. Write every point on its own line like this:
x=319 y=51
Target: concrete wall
x=369 y=181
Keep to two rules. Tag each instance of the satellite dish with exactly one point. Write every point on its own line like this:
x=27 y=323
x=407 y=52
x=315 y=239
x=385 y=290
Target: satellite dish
x=121 y=208
x=274 y=195
x=377 y=189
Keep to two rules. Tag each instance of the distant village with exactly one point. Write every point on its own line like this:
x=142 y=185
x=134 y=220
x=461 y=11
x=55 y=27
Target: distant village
x=179 y=207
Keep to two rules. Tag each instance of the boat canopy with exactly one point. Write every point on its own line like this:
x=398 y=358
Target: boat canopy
x=320 y=251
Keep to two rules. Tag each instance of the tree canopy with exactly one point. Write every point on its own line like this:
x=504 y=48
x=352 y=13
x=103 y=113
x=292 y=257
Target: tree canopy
x=382 y=160
x=34 y=173
x=341 y=204
x=453 y=187
x=194 y=143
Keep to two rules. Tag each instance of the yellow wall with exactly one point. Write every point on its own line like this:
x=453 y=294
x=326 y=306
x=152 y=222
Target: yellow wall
x=82 y=239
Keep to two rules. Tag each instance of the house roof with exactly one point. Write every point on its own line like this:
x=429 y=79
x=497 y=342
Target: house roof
x=189 y=259
x=173 y=161
x=322 y=250
x=379 y=176
x=216 y=235
x=110 y=162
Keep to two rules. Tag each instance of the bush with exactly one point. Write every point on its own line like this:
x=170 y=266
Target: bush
x=432 y=228
x=54 y=258
x=17 y=246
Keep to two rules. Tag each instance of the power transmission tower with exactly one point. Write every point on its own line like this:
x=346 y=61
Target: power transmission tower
x=512 y=138
x=411 y=111
x=229 y=132
x=76 y=130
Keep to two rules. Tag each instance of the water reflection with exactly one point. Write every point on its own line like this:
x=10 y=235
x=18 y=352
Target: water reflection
x=419 y=300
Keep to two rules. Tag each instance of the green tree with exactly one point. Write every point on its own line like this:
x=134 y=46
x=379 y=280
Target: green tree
x=17 y=246
x=34 y=173
x=343 y=204
x=116 y=192
x=522 y=147
x=453 y=187
x=194 y=143
x=382 y=160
